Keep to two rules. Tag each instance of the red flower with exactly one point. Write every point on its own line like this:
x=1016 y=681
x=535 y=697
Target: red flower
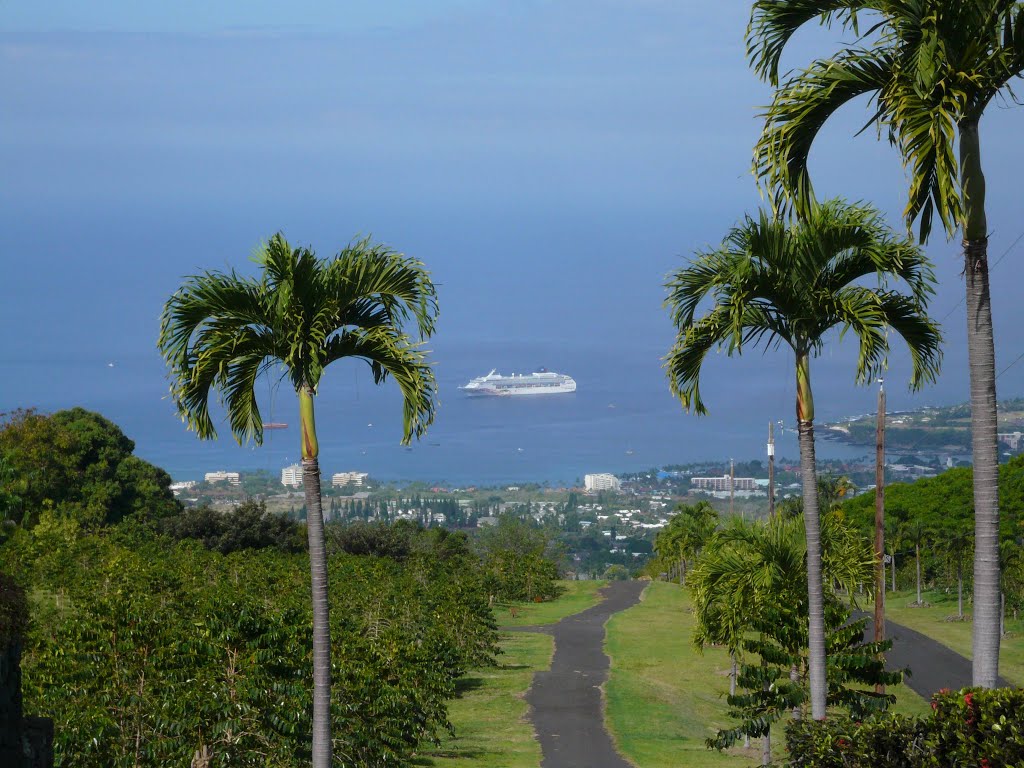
x=969 y=699
x=842 y=743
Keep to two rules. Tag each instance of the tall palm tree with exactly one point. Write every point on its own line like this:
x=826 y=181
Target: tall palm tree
x=919 y=535
x=773 y=283
x=931 y=67
x=220 y=331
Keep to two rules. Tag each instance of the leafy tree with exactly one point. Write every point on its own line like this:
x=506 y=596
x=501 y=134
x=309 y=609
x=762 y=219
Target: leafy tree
x=247 y=526
x=81 y=463
x=751 y=578
x=518 y=561
x=931 y=69
x=220 y=331
x=773 y=283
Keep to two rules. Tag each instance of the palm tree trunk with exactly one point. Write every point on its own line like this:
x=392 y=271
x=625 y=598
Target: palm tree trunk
x=918 y=550
x=981 y=358
x=318 y=576
x=812 y=523
x=959 y=590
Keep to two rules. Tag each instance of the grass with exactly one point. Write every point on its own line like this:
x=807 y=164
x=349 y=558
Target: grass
x=577 y=596
x=490 y=713
x=931 y=621
x=664 y=698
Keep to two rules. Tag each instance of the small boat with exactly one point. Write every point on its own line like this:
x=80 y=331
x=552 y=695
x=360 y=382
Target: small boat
x=274 y=425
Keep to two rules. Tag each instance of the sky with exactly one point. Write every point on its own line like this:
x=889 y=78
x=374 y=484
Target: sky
x=550 y=162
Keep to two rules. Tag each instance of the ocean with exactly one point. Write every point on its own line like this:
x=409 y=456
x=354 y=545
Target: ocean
x=622 y=417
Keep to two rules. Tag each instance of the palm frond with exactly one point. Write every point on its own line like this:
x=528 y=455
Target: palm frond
x=799 y=109
x=390 y=353
x=774 y=22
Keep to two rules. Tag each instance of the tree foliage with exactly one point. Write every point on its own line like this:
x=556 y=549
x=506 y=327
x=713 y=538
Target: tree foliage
x=79 y=463
x=145 y=650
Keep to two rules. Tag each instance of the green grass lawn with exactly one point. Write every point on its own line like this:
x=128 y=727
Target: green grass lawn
x=577 y=596
x=664 y=698
x=491 y=729
x=489 y=715
x=956 y=634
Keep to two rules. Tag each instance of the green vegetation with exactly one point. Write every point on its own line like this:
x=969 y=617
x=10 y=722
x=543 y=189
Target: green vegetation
x=969 y=727
x=775 y=282
x=147 y=649
x=489 y=714
x=574 y=596
x=221 y=331
x=490 y=711
x=79 y=464
x=664 y=698
x=930 y=71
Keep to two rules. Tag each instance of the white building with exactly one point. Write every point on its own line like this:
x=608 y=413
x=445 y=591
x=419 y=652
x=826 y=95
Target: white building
x=292 y=476
x=601 y=482
x=340 y=479
x=184 y=485
x=723 y=483
x=222 y=476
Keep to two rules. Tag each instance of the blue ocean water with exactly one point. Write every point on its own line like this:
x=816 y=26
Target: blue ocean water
x=622 y=417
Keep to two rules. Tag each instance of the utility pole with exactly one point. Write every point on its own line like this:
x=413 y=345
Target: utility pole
x=880 y=521
x=771 y=470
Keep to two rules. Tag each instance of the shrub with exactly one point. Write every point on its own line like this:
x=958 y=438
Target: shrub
x=884 y=741
x=973 y=727
x=979 y=727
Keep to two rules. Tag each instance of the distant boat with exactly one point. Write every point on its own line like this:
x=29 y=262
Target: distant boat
x=542 y=382
x=274 y=425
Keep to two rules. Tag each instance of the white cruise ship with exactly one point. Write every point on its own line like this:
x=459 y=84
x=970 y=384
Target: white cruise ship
x=541 y=382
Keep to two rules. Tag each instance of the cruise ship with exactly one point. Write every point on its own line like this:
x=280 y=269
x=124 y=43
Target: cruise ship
x=540 y=382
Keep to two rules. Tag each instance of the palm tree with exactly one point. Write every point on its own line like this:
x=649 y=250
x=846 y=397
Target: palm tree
x=753 y=570
x=772 y=283
x=919 y=535
x=221 y=331
x=931 y=68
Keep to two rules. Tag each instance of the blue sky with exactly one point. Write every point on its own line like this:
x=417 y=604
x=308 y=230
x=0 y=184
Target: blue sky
x=549 y=161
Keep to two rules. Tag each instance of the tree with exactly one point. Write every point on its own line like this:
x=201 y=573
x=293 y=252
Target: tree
x=918 y=534
x=220 y=331
x=751 y=578
x=773 y=283
x=931 y=68
x=81 y=464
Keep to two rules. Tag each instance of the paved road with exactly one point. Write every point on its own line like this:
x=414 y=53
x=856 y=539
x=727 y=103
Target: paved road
x=932 y=665
x=566 y=705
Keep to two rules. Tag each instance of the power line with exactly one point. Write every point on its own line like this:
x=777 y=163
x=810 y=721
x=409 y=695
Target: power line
x=994 y=265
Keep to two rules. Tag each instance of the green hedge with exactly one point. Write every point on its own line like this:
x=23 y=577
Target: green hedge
x=972 y=727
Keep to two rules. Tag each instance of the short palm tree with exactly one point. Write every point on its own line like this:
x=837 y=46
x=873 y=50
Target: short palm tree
x=771 y=283
x=222 y=331
x=931 y=68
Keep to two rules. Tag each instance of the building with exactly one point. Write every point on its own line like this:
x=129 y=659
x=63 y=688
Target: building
x=292 y=476
x=222 y=476
x=723 y=483
x=601 y=482
x=341 y=479
x=1011 y=440
x=184 y=485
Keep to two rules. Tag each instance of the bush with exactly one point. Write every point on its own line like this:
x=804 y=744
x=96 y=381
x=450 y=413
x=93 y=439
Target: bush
x=884 y=741
x=973 y=727
x=979 y=727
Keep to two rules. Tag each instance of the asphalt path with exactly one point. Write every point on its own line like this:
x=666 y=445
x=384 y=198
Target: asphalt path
x=566 y=703
x=933 y=666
